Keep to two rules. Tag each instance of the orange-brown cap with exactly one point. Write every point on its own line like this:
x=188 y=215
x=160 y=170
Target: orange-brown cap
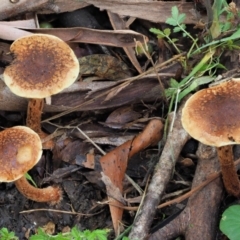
x=44 y=65
x=212 y=115
x=20 y=150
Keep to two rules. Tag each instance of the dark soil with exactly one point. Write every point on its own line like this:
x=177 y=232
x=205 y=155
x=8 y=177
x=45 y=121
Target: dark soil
x=79 y=200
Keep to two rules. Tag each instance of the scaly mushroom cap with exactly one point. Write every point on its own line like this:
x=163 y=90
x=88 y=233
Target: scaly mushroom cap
x=20 y=150
x=212 y=115
x=44 y=65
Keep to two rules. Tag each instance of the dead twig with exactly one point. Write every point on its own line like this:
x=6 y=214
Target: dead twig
x=200 y=217
x=60 y=211
x=163 y=172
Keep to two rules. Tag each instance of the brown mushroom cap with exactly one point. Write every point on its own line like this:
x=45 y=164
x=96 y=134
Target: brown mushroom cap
x=212 y=115
x=20 y=150
x=44 y=65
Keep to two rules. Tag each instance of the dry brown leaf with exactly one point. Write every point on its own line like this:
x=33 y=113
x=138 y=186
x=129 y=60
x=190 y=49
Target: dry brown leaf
x=112 y=190
x=118 y=23
x=116 y=38
x=49 y=228
x=123 y=115
x=114 y=163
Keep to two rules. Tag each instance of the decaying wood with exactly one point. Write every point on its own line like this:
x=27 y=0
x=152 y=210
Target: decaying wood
x=199 y=220
x=141 y=90
x=10 y=101
x=154 y=11
x=14 y=8
x=176 y=139
x=134 y=92
x=83 y=95
x=5 y=57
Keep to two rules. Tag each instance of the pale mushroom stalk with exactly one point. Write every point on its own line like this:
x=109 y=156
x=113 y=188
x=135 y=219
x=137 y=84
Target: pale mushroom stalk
x=34 y=116
x=49 y=194
x=212 y=116
x=33 y=120
x=20 y=150
x=34 y=113
x=229 y=172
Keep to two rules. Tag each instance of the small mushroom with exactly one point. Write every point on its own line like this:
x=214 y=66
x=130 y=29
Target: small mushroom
x=20 y=150
x=43 y=65
x=212 y=116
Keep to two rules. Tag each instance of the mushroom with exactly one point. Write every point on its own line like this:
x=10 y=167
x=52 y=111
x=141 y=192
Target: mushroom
x=212 y=116
x=43 y=65
x=21 y=149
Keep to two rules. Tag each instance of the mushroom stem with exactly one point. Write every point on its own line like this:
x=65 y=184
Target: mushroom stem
x=33 y=121
x=229 y=173
x=34 y=113
x=49 y=194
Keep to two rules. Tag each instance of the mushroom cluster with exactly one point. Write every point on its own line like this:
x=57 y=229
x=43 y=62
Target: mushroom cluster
x=21 y=149
x=212 y=116
x=43 y=65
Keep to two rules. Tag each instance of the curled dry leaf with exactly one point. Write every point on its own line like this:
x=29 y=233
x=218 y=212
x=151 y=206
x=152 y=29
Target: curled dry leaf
x=114 y=163
x=116 y=38
x=104 y=66
x=123 y=115
x=117 y=24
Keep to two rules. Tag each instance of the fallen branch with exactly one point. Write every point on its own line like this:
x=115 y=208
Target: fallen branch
x=163 y=172
x=200 y=217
